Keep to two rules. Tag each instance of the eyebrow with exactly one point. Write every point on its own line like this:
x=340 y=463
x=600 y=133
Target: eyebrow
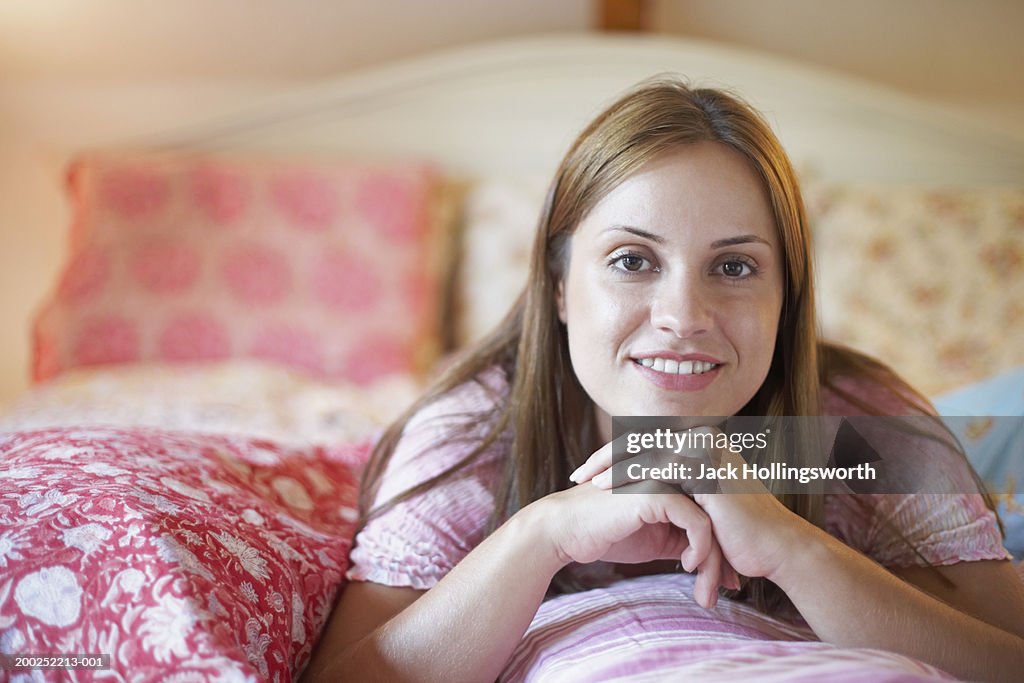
x=657 y=239
x=717 y=244
x=740 y=239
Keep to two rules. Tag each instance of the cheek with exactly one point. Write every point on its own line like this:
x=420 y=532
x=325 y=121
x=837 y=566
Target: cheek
x=600 y=321
x=756 y=331
x=601 y=316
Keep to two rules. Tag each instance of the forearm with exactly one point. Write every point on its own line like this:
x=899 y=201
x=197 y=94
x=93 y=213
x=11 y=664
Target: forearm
x=466 y=627
x=851 y=601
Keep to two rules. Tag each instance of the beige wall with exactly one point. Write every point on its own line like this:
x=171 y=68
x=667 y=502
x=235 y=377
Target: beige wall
x=76 y=73
x=968 y=53
x=126 y=40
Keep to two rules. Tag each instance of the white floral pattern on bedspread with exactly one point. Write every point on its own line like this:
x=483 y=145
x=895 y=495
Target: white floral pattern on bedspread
x=205 y=556
x=650 y=629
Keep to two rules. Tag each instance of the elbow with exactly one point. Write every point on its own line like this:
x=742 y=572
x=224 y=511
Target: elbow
x=357 y=663
x=327 y=666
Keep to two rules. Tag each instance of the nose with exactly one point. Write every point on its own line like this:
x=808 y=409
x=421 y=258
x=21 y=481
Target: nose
x=681 y=307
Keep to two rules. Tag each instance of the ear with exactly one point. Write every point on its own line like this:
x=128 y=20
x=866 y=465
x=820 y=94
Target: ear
x=560 y=299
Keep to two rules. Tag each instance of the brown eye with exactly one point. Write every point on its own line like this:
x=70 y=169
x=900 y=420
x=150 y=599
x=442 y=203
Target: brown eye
x=736 y=269
x=629 y=263
x=732 y=268
x=632 y=262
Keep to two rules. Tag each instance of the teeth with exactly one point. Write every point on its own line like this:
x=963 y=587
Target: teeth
x=685 y=367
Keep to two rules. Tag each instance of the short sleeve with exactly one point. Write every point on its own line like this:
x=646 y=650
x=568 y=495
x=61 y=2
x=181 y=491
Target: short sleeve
x=905 y=530
x=918 y=529
x=420 y=539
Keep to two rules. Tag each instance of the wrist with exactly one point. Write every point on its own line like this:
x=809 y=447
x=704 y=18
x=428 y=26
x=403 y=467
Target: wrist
x=806 y=549
x=530 y=530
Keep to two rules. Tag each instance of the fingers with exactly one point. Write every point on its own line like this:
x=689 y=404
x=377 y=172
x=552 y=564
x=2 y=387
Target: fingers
x=701 y=546
x=602 y=459
x=671 y=468
x=685 y=514
x=653 y=465
x=703 y=552
x=639 y=463
x=599 y=461
x=690 y=536
x=709 y=574
x=730 y=578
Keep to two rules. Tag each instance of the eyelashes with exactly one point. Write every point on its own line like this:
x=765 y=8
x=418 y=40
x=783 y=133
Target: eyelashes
x=727 y=267
x=631 y=263
x=730 y=267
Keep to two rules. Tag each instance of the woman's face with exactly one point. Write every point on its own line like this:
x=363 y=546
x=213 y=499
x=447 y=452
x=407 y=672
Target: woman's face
x=673 y=288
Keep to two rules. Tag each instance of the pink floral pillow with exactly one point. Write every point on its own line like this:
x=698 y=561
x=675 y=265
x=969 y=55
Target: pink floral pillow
x=332 y=269
x=931 y=281
x=203 y=556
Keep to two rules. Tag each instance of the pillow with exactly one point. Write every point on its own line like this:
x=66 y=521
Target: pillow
x=1002 y=394
x=500 y=218
x=332 y=269
x=988 y=419
x=649 y=628
x=929 y=281
x=202 y=555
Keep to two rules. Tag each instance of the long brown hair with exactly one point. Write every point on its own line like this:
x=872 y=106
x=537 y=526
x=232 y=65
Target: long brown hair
x=546 y=412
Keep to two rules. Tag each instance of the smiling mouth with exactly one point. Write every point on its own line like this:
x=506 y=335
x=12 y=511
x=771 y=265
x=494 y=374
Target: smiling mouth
x=674 y=367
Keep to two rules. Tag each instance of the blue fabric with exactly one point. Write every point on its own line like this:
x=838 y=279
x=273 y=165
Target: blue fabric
x=999 y=395
x=988 y=418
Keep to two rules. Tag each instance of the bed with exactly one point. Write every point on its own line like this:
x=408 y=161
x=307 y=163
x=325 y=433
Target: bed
x=247 y=302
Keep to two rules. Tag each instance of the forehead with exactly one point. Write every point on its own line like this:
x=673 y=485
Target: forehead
x=706 y=188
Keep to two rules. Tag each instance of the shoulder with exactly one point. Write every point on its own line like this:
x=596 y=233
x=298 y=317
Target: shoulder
x=451 y=424
x=443 y=434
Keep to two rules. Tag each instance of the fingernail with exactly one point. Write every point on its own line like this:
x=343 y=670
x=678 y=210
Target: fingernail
x=685 y=564
x=575 y=474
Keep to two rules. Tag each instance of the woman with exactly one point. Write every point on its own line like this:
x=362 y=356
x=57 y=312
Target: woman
x=670 y=276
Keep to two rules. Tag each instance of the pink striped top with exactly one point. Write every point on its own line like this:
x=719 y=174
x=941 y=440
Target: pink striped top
x=419 y=541
x=649 y=628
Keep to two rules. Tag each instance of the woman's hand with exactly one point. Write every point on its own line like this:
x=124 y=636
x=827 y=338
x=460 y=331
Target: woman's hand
x=652 y=522
x=752 y=528
x=756 y=532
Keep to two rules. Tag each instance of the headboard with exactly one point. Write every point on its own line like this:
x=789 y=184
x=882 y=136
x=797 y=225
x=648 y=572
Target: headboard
x=514 y=106
x=508 y=110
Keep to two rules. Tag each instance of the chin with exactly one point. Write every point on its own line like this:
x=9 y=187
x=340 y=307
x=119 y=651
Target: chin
x=667 y=410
